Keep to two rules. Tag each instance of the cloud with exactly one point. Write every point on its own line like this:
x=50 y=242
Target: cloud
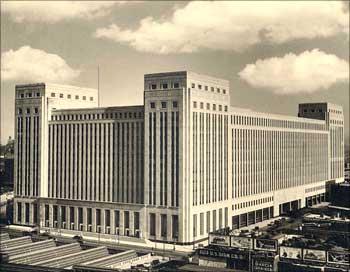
x=33 y=65
x=308 y=72
x=55 y=11
x=232 y=25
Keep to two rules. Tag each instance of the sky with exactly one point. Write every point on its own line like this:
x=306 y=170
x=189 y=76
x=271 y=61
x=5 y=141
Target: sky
x=275 y=54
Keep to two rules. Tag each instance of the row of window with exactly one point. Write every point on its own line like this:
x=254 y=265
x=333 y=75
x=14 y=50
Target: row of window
x=266 y=122
x=164 y=219
x=336 y=122
x=163 y=104
x=28 y=111
x=252 y=203
x=76 y=217
x=97 y=116
x=313 y=110
x=206 y=88
x=201 y=106
x=34 y=94
x=335 y=111
x=176 y=85
x=164 y=86
x=215 y=220
x=61 y=95
x=69 y=96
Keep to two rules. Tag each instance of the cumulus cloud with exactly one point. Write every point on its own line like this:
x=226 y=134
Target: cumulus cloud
x=232 y=25
x=54 y=11
x=32 y=65
x=308 y=72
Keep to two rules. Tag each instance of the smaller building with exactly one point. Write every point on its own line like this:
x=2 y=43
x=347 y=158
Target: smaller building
x=340 y=195
x=6 y=173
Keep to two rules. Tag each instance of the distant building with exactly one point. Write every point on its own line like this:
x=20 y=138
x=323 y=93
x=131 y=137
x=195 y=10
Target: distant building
x=6 y=172
x=179 y=166
x=340 y=195
x=347 y=172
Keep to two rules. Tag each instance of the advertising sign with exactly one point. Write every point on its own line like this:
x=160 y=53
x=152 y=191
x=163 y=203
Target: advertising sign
x=219 y=240
x=213 y=253
x=261 y=265
x=241 y=242
x=290 y=253
x=314 y=255
x=338 y=257
x=265 y=244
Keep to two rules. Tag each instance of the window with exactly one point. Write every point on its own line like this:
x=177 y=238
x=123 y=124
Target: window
x=37 y=94
x=225 y=108
x=22 y=95
x=91 y=98
x=19 y=111
x=193 y=85
x=61 y=95
x=201 y=224
x=116 y=219
x=194 y=104
x=163 y=105
x=176 y=85
x=200 y=87
x=153 y=105
x=175 y=226
x=212 y=89
x=202 y=105
x=224 y=91
x=84 y=97
x=154 y=86
x=69 y=96
x=28 y=111
x=152 y=223
x=77 y=97
x=175 y=104
x=29 y=94
x=220 y=107
x=214 y=106
x=218 y=90
x=206 y=88
x=163 y=225
x=194 y=225
x=165 y=85
x=53 y=95
x=36 y=110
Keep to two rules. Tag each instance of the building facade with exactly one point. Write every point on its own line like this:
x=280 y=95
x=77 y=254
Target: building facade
x=174 y=169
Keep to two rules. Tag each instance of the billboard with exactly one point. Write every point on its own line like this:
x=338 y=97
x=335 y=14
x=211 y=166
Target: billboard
x=261 y=265
x=241 y=242
x=314 y=255
x=219 y=240
x=338 y=257
x=265 y=244
x=291 y=253
x=213 y=253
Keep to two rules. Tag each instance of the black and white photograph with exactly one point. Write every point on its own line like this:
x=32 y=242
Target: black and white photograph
x=172 y=136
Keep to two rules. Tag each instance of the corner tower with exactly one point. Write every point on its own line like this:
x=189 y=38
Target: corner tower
x=33 y=106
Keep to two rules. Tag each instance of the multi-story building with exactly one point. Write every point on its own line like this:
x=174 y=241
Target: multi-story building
x=174 y=169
